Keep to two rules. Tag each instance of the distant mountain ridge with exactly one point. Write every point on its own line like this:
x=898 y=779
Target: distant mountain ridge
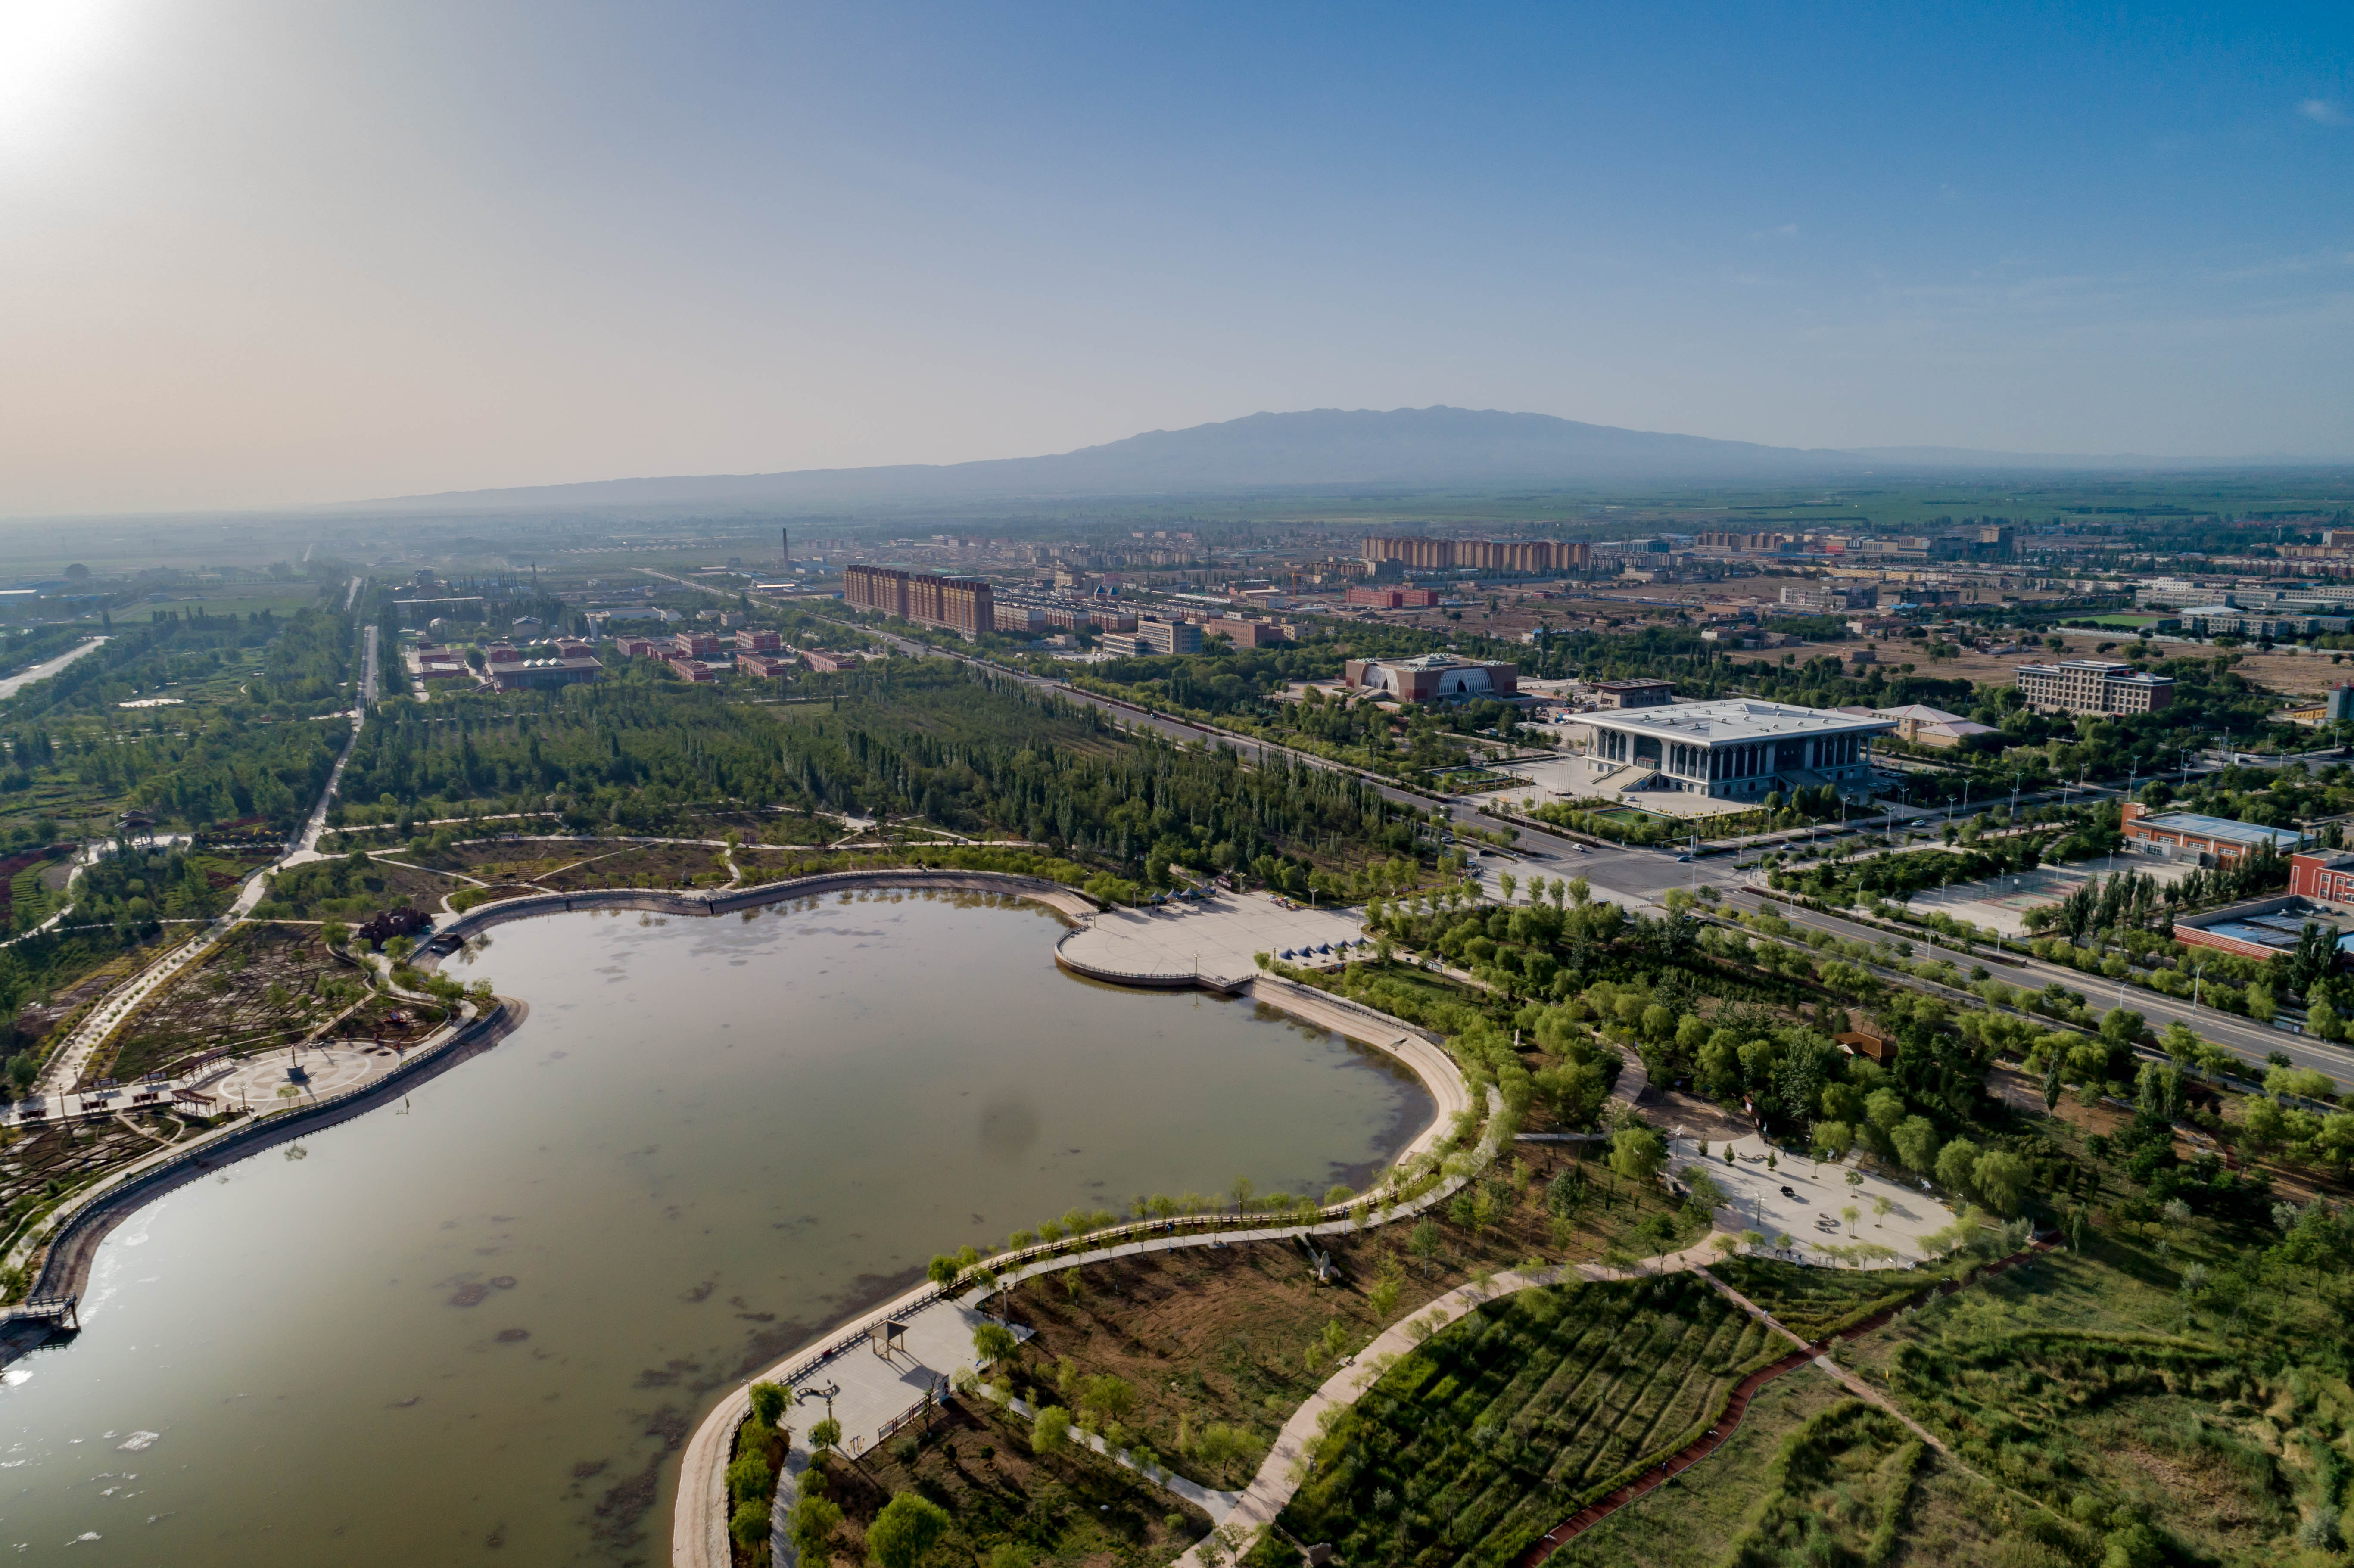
x=1435 y=447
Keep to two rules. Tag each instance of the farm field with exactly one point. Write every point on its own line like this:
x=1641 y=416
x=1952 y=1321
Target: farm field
x=1504 y=1424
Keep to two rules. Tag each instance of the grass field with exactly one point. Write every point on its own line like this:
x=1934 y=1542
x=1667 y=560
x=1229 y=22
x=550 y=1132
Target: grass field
x=2207 y=1425
x=1506 y=1423
x=1819 y=1302
x=1810 y=1477
x=1068 y=1507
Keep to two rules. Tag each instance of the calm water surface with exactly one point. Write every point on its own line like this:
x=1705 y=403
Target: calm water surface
x=476 y=1327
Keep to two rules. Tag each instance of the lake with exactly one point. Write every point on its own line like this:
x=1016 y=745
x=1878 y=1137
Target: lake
x=477 y=1325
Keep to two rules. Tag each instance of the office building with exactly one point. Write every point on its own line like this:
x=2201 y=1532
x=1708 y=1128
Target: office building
x=2093 y=686
x=1523 y=557
x=1432 y=677
x=1633 y=694
x=1739 y=748
x=1169 y=637
x=2211 y=841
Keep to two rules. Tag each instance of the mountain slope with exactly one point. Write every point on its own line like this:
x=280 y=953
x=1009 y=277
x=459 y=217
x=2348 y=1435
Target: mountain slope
x=1413 y=447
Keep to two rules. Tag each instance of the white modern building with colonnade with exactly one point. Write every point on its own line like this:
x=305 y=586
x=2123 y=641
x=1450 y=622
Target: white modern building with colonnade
x=1736 y=748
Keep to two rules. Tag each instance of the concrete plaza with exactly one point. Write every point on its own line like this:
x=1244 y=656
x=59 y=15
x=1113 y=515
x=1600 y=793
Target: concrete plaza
x=2002 y=903
x=1814 y=1216
x=1214 y=938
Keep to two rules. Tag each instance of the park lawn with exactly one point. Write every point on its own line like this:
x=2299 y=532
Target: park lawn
x=1072 y=1506
x=1810 y=1477
x=1816 y=1302
x=572 y=867
x=1235 y=1336
x=262 y=987
x=1512 y=1419
x=351 y=889
x=1690 y=1522
x=2090 y=1382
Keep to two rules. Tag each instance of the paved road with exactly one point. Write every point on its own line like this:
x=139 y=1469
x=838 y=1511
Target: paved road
x=2249 y=1040
x=1638 y=877
x=47 y=668
x=66 y=1065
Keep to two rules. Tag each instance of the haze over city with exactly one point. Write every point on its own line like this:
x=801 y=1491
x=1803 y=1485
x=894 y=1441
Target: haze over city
x=928 y=786
x=266 y=255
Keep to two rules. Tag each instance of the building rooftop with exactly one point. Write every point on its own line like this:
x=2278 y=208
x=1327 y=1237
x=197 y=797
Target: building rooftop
x=1735 y=719
x=1431 y=662
x=2222 y=829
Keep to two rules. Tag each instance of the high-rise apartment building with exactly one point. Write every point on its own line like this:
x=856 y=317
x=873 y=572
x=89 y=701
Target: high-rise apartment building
x=1524 y=555
x=960 y=604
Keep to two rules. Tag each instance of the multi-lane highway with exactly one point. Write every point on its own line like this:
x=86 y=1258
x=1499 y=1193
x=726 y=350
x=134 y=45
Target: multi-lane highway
x=1638 y=877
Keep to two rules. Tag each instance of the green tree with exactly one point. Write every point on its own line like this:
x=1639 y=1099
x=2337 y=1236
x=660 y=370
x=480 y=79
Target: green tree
x=768 y=1402
x=1916 y=1141
x=826 y=1433
x=993 y=1343
x=1424 y=1243
x=812 y=1525
x=748 y=1478
x=1107 y=1396
x=942 y=1271
x=1049 y=1429
x=2002 y=1181
x=1636 y=1153
x=1222 y=1446
x=2302 y=1081
x=750 y=1524
x=908 y=1526
x=1957 y=1165
x=1704 y=1191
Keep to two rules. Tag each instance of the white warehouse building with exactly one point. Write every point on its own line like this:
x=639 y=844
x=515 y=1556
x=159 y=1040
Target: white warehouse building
x=1738 y=749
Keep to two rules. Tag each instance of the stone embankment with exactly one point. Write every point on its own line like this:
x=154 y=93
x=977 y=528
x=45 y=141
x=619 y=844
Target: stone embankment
x=72 y=1237
x=728 y=901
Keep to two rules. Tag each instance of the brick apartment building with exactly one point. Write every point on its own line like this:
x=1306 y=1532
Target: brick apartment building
x=1522 y=556
x=962 y=605
x=1392 y=599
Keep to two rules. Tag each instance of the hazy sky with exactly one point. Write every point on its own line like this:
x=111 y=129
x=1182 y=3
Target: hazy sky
x=260 y=253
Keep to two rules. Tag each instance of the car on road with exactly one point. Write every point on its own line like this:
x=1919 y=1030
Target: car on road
x=1682 y=858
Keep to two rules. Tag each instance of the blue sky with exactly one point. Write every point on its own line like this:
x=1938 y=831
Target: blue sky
x=275 y=253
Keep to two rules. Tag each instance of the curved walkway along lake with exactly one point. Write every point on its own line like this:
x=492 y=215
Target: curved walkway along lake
x=475 y=1326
